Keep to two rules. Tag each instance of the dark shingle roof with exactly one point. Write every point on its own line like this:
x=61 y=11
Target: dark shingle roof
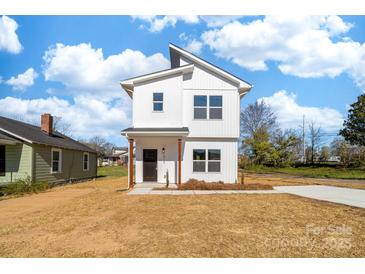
x=6 y=137
x=34 y=134
x=154 y=129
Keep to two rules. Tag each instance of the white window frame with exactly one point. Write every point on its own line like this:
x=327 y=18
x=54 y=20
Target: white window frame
x=209 y=107
x=88 y=161
x=206 y=107
x=59 y=160
x=220 y=160
x=206 y=161
x=205 y=164
x=155 y=101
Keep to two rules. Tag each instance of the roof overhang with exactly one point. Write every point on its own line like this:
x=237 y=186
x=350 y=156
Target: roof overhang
x=158 y=132
x=128 y=85
x=14 y=141
x=243 y=86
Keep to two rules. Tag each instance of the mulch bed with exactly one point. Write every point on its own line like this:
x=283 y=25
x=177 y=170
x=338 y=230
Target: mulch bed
x=193 y=184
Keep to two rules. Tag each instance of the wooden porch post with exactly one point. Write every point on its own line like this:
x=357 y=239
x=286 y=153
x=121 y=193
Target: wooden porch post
x=131 y=162
x=179 y=161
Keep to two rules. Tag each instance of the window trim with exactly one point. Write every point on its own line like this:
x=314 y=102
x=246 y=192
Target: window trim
x=205 y=164
x=214 y=161
x=156 y=101
x=201 y=107
x=215 y=107
x=88 y=161
x=206 y=161
x=59 y=161
x=207 y=107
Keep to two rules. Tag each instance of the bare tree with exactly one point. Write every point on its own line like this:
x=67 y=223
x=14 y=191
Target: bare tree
x=315 y=136
x=101 y=146
x=62 y=126
x=257 y=116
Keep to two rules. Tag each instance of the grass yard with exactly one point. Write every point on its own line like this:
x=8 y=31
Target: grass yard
x=112 y=171
x=95 y=219
x=313 y=172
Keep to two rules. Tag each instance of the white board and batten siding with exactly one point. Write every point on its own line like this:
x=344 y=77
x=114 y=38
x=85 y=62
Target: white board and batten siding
x=171 y=116
x=178 y=111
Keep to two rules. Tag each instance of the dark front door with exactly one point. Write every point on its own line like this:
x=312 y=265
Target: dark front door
x=150 y=165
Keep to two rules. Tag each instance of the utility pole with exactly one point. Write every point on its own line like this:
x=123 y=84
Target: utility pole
x=304 y=160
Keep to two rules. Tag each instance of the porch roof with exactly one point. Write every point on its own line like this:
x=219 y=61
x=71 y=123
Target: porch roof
x=157 y=131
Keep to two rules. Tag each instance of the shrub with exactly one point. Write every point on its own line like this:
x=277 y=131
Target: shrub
x=194 y=184
x=22 y=186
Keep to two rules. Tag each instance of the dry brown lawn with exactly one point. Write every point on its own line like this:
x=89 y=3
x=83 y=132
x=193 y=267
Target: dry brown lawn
x=287 y=180
x=94 y=219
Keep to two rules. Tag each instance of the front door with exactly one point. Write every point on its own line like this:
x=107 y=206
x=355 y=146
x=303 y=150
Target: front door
x=150 y=165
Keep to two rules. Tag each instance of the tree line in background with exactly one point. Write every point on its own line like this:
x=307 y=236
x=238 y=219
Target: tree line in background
x=265 y=143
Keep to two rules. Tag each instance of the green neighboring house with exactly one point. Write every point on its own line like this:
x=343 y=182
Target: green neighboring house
x=42 y=154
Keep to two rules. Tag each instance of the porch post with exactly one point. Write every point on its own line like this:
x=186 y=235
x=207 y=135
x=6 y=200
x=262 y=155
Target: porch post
x=179 y=161
x=131 y=162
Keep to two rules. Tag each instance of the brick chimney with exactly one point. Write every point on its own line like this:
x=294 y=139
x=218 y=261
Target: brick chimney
x=47 y=123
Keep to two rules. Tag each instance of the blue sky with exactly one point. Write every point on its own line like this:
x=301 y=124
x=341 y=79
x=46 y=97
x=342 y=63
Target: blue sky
x=70 y=65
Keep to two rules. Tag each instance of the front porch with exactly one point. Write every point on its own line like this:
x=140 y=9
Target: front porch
x=158 y=155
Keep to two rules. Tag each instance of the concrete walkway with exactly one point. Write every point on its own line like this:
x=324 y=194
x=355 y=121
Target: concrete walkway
x=147 y=189
x=340 y=195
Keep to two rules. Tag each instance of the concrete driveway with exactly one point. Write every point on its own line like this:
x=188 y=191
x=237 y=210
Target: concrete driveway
x=340 y=195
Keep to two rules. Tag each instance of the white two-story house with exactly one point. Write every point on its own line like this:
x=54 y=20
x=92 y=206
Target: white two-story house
x=185 y=122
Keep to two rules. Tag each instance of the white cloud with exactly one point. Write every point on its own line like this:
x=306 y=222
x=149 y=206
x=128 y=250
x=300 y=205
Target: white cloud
x=23 y=80
x=300 y=46
x=194 y=46
x=85 y=71
x=8 y=38
x=219 y=20
x=87 y=116
x=290 y=113
x=158 y=23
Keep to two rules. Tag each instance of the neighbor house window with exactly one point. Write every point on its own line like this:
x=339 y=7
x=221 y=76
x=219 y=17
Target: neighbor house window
x=215 y=107
x=157 y=101
x=2 y=160
x=85 y=161
x=200 y=107
x=199 y=160
x=214 y=160
x=56 y=160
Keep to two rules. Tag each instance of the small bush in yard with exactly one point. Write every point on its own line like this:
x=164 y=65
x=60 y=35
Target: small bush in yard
x=22 y=186
x=194 y=184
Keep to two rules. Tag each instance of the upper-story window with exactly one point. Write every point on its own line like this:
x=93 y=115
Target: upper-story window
x=201 y=107
x=215 y=107
x=157 y=101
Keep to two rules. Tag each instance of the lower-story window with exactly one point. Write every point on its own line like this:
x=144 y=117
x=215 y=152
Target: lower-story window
x=214 y=160
x=56 y=160
x=202 y=163
x=199 y=160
